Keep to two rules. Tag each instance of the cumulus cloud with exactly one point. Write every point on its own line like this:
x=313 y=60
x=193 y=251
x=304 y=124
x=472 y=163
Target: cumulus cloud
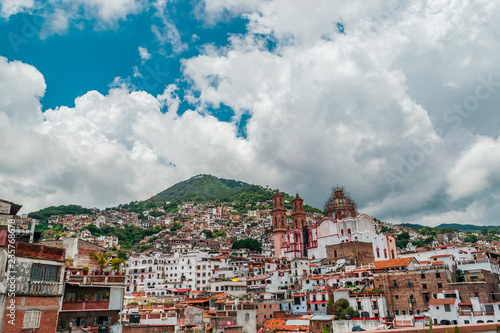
x=381 y=98
x=59 y=15
x=144 y=54
x=476 y=170
x=12 y=7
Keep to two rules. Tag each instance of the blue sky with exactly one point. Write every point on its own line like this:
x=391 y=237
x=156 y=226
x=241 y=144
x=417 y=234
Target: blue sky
x=104 y=102
x=88 y=57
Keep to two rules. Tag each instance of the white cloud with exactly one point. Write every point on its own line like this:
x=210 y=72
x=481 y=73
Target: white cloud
x=144 y=54
x=476 y=170
x=12 y=7
x=367 y=109
x=58 y=16
x=167 y=32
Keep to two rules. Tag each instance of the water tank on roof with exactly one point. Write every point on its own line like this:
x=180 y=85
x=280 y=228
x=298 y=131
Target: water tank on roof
x=135 y=318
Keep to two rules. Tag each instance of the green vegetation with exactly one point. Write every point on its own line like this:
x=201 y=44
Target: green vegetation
x=342 y=308
x=127 y=237
x=44 y=214
x=249 y=243
x=470 y=239
x=101 y=259
x=208 y=188
x=402 y=240
x=176 y=226
x=214 y=234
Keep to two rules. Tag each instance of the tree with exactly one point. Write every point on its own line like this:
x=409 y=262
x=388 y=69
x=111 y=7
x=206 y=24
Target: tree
x=249 y=243
x=447 y=230
x=101 y=259
x=470 y=239
x=428 y=231
x=386 y=229
x=325 y=329
x=116 y=263
x=342 y=308
x=176 y=226
x=208 y=233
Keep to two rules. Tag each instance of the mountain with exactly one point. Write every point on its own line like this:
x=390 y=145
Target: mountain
x=205 y=188
x=459 y=227
x=208 y=188
x=465 y=227
x=44 y=214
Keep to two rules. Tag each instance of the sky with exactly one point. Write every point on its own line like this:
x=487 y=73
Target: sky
x=104 y=102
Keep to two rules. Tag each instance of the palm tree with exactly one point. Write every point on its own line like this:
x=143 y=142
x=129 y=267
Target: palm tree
x=115 y=263
x=101 y=259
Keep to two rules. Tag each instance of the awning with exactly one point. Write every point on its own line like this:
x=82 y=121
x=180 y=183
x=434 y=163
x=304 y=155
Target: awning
x=318 y=302
x=181 y=290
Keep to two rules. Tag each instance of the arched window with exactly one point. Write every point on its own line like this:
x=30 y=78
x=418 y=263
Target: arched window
x=335 y=253
x=378 y=252
x=342 y=232
x=392 y=253
x=385 y=253
x=349 y=231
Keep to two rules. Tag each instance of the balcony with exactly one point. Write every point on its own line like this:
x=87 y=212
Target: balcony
x=85 y=305
x=470 y=313
x=96 y=279
x=39 y=288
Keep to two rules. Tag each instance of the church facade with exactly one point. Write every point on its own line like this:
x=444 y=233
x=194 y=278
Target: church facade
x=293 y=238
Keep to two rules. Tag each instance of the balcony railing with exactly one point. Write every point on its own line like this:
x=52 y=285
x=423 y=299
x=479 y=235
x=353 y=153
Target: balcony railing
x=39 y=288
x=85 y=305
x=96 y=279
x=476 y=313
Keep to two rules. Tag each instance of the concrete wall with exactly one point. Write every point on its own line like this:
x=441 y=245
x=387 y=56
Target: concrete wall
x=341 y=326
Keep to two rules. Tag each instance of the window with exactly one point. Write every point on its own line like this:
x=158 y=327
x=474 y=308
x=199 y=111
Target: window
x=426 y=297
x=394 y=283
x=422 y=276
x=447 y=308
x=438 y=275
x=440 y=285
x=247 y=316
x=397 y=296
x=424 y=286
x=476 y=294
x=408 y=282
x=32 y=319
x=396 y=312
x=44 y=272
x=403 y=312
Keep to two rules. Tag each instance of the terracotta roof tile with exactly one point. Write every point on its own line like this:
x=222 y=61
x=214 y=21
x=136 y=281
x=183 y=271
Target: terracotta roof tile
x=441 y=301
x=392 y=263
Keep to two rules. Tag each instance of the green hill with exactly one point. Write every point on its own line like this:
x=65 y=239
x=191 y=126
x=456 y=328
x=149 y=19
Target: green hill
x=44 y=214
x=208 y=188
x=459 y=227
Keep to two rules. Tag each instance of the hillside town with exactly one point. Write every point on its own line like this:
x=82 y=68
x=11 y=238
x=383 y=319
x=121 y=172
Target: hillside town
x=269 y=267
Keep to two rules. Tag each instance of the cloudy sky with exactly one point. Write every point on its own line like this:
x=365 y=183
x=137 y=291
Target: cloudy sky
x=107 y=101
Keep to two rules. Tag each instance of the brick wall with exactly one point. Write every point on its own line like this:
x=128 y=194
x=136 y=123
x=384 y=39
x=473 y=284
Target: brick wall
x=49 y=316
x=361 y=252
x=488 y=290
x=84 y=251
x=422 y=284
x=147 y=329
x=265 y=310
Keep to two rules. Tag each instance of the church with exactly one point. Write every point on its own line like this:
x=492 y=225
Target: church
x=342 y=228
